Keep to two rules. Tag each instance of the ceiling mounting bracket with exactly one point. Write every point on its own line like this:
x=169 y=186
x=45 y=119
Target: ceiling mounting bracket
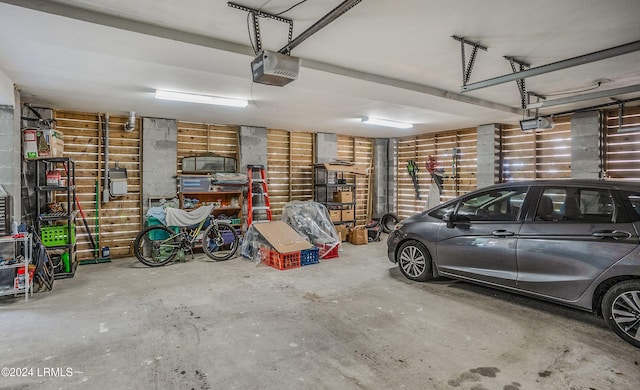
x=467 y=69
x=255 y=14
x=538 y=98
x=519 y=66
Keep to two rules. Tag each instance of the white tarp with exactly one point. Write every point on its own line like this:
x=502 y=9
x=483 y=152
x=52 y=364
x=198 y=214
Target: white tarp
x=179 y=217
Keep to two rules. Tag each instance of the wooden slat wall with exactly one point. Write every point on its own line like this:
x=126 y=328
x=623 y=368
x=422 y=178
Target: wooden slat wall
x=200 y=138
x=119 y=220
x=289 y=168
x=360 y=151
x=440 y=145
x=537 y=155
x=622 y=156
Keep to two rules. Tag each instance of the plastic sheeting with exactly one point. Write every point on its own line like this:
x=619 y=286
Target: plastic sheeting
x=251 y=244
x=311 y=220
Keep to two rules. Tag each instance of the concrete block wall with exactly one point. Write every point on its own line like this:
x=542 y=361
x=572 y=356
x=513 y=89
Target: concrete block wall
x=10 y=159
x=253 y=147
x=10 y=147
x=488 y=155
x=586 y=146
x=159 y=156
x=326 y=147
x=384 y=189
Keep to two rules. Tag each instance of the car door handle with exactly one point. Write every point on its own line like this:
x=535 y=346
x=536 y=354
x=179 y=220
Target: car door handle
x=615 y=234
x=502 y=233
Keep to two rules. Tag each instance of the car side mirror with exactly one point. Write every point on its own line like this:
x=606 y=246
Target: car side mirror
x=449 y=218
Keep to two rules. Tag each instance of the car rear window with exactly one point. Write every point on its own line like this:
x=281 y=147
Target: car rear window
x=592 y=205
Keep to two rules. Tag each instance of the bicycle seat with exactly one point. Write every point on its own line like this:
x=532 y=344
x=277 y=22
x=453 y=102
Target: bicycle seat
x=182 y=218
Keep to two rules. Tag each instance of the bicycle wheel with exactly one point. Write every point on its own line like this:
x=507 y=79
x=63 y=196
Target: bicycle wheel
x=43 y=279
x=220 y=241
x=156 y=246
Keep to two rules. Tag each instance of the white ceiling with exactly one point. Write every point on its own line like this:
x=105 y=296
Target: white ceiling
x=388 y=59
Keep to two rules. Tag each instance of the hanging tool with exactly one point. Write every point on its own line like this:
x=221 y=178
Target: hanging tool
x=84 y=219
x=436 y=174
x=413 y=172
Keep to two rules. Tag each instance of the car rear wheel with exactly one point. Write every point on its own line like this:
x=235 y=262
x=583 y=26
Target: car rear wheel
x=414 y=261
x=621 y=310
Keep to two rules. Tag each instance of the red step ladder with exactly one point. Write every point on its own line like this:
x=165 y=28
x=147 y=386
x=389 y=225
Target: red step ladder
x=258 y=205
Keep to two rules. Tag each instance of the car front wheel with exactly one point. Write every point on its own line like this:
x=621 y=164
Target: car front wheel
x=414 y=261
x=621 y=310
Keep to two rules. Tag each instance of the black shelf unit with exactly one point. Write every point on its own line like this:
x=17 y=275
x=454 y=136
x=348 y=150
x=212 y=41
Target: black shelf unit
x=326 y=184
x=46 y=193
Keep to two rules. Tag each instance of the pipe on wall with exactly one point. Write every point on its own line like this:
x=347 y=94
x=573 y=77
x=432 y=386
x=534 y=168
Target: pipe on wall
x=105 y=191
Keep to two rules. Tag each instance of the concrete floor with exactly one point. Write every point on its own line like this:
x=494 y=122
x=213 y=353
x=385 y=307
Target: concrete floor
x=347 y=323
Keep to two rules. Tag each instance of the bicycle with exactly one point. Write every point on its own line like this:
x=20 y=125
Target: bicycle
x=158 y=245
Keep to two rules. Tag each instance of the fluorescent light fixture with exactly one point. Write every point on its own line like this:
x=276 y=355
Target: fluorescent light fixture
x=385 y=122
x=204 y=99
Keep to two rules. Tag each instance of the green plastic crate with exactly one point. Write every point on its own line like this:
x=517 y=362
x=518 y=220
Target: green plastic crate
x=158 y=235
x=57 y=235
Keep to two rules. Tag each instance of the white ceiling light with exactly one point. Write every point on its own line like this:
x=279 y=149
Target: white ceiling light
x=385 y=122
x=204 y=99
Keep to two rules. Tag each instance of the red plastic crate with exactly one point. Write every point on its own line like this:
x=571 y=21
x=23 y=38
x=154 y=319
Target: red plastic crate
x=281 y=261
x=327 y=252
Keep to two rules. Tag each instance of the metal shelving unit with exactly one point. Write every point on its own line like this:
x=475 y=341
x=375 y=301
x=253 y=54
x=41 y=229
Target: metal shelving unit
x=46 y=217
x=27 y=247
x=326 y=184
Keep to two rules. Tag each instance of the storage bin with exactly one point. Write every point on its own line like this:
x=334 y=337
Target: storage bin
x=57 y=235
x=193 y=183
x=281 y=261
x=309 y=256
x=159 y=235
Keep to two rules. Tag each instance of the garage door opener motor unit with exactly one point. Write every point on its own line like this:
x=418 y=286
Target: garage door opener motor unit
x=273 y=68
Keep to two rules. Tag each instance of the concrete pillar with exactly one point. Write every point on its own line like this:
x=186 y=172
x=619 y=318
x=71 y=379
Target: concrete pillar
x=384 y=190
x=159 y=156
x=326 y=147
x=586 y=155
x=488 y=155
x=10 y=151
x=10 y=159
x=253 y=147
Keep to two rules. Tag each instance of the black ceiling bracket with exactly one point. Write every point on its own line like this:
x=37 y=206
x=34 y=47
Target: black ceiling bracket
x=467 y=69
x=334 y=14
x=255 y=14
x=519 y=66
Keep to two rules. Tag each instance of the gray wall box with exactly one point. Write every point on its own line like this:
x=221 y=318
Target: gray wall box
x=384 y=176
x=326 y=147
x=488 y=155
x=159 y=156
x=253 y=147
x=586 y=158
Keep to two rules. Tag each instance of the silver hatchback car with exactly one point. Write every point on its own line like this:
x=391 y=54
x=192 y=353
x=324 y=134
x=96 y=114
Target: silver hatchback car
x=573 y=242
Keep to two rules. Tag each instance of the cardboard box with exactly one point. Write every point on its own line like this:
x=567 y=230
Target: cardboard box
x=348 y=215
x=343 y=197
x=334 y=167
x=343 y=232
x=336 y=215
x=42 y=143
x=358 y=235
x=282 y=237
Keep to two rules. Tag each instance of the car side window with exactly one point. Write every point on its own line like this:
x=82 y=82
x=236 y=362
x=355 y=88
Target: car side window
x=441 y=211
x=633 y=201
x=496 y=205
x=591 y=205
